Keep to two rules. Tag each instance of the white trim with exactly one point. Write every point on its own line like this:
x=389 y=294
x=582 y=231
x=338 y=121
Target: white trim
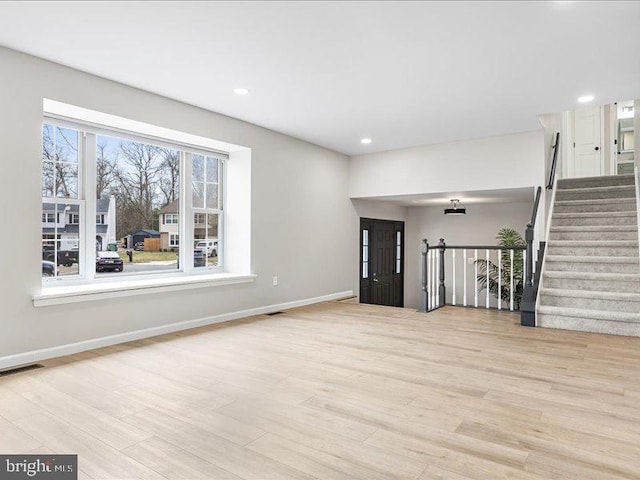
x=546 y=239
x=637 y=182
x=74 y=115
x=568 y=135
x=603 y=159
x=71 y=348
x=60 y=295
x=613 y=136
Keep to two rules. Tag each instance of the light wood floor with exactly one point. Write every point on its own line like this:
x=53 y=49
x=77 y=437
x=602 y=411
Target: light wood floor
x=340 y=391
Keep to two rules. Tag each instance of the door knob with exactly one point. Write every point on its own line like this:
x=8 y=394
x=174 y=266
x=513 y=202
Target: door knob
x=597 y=148
x=375 y=279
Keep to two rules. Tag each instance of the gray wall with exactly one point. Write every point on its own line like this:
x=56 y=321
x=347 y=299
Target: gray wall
x=479 y=226
x=303 y=224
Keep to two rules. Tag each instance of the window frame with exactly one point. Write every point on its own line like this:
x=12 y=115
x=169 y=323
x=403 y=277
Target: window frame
x=87 y=164
x=175 y=217
x=174 y=240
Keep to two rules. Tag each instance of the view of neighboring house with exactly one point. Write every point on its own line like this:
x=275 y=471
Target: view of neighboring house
x=64 y=221
x=169 y=230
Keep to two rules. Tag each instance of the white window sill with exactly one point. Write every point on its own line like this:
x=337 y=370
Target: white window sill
x=60 y=295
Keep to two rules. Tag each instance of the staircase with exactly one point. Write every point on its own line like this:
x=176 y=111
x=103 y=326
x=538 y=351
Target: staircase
x=591 y=274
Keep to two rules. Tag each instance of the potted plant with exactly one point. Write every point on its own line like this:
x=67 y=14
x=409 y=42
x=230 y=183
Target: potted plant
x=488 y=271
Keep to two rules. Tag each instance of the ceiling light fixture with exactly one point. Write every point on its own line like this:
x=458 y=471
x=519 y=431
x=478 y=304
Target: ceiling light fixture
x=586 y=98
x=240 y=91
x=365 y=141
x=455 y=209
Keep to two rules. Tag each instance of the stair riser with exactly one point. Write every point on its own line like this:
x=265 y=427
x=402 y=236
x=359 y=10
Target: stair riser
x=595 y=194
x=596 y=207
x=592 y=285
x=600 y=251
x=590 y=304
x=570 y=266
x=587 y=235
x=588 y=325
x=594 y=221
x=596 y=182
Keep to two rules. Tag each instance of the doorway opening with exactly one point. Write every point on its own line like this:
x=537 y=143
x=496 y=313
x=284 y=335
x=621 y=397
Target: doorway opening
x=382 y=262
x=601 y=140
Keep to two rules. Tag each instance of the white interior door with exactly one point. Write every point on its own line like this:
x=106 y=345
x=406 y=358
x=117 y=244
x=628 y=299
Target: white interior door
x=587 y=143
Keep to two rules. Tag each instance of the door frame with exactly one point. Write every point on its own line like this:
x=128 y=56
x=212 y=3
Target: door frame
x=399 y=225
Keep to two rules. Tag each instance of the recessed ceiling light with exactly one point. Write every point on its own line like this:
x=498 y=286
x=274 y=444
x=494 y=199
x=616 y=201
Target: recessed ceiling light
x=240 y=91
x=586 y=98
x=365 y=141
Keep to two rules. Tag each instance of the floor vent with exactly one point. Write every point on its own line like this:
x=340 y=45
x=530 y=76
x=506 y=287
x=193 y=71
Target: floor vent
x=346 y=299
x=274 y=313
x=25 y=368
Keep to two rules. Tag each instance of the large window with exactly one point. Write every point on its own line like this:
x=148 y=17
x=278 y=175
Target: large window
x=125 y=192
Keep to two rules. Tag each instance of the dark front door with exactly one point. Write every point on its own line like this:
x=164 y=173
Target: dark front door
x=381 y=262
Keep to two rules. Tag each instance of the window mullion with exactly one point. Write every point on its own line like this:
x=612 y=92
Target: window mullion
x=186 y=214
x=89 y=218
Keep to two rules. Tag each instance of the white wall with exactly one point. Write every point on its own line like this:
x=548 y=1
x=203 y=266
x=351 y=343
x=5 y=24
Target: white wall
x=478 y=227
x=303 y=226
x=380 y=210
x=507 y=161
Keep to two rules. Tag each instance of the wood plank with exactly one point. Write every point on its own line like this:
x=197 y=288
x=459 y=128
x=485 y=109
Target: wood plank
x=340 y=391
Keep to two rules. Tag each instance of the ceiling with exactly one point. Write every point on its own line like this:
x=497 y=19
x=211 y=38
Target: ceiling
x=504 y=195
x=331 y=73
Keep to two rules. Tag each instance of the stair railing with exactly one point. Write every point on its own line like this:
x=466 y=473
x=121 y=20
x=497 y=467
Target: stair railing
x=528 y=306
x=554 y=162
x=434 y=292
x=503 y=260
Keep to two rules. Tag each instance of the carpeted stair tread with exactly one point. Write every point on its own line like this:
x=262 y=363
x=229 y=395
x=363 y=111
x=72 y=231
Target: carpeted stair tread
x=591 y=259
x=591 y=275
x=595 y=228
x=619 y=296
x=596 y=181
x=594 y=243
x=601 y=201
x=618 y=277
x=631 y=214
x=592 y=314
x=608 y=188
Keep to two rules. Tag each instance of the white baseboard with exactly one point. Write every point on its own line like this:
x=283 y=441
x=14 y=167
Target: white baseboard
x=71 y=348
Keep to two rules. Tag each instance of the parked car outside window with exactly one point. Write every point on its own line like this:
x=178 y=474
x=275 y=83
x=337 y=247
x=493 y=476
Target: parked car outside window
x=109 y=261
x=210 y=247
x=48 y=269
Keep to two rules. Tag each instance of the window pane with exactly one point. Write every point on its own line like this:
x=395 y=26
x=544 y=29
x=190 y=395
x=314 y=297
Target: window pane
x=365 y=253
x=365 y=237
x=365 y=270
x=47 y=179
x=60 y=241
x=137 y=186
x=66 y=180
x=197 y=168
x=59 y=144
x=206 y=242
x=398 y=266
x=198 y=194
x=212 y=195
x=212 y=170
